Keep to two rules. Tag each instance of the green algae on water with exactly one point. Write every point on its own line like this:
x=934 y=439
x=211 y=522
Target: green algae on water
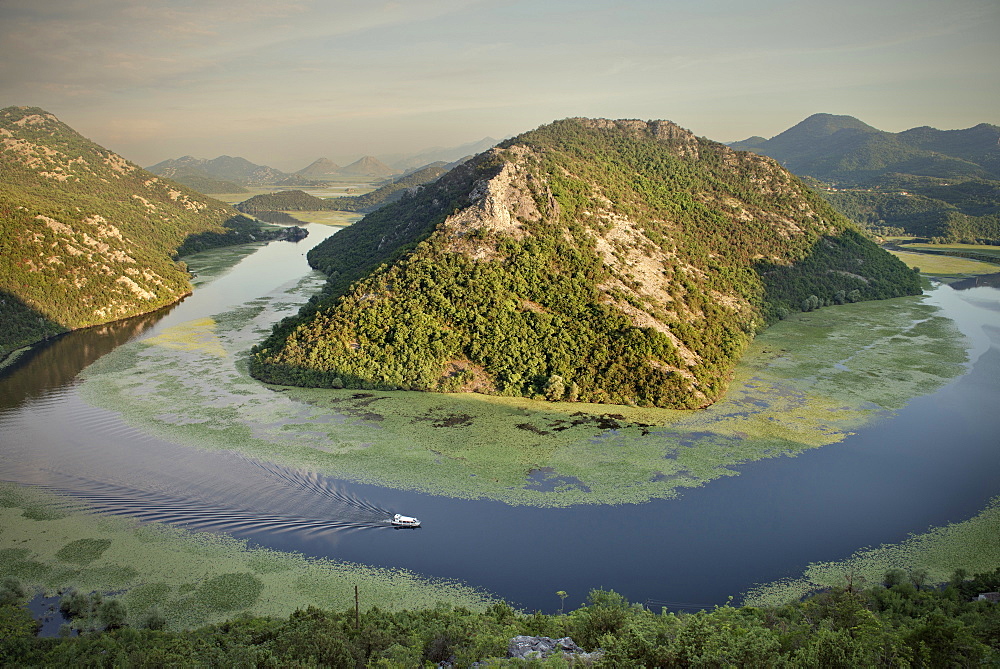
x=973 y=545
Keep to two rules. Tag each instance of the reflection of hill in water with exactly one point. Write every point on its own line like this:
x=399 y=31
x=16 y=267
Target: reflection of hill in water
x=986 y=280
x=52 y=365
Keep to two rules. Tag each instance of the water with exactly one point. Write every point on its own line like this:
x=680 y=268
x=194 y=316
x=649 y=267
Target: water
x=931 y=463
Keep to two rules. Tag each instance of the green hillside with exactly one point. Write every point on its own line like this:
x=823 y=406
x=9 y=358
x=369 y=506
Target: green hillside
x=87 y=237
x=202 y=182
x=227 y=168
x=607 y=261
x=938 y=184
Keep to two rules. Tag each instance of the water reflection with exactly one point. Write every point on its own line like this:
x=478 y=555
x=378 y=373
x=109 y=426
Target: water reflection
x=53 y=365
x=982 y=281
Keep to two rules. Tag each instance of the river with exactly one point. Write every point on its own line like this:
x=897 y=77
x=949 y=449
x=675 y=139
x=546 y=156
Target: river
x=931 y=463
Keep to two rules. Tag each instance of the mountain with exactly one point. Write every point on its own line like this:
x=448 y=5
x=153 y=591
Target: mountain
x=87 y=237
x=942 y=184
x=844 y=150
x=440 y=154
x=319 y=169
x=228 y=168
x=605 y=261
x=368 y=166
x=392 y=191
x=286 y=200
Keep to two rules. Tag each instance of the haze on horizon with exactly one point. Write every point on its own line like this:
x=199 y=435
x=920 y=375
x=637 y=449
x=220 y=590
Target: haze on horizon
x=283 y=82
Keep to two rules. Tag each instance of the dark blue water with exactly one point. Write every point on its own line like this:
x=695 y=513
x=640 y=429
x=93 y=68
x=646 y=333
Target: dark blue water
x=934 y=462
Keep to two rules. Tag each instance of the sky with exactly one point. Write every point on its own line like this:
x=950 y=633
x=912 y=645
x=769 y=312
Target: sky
x=283 y=82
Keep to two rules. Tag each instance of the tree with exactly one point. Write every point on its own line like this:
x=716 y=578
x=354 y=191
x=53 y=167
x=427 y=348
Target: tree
x=112 y=614
x=555 y=388
x=154 y=620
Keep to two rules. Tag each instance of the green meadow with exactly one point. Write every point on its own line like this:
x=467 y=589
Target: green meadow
x=192 y=578
x=942 y=265
x=807 y=382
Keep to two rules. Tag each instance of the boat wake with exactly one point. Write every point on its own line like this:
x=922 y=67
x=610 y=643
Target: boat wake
x=255 y=497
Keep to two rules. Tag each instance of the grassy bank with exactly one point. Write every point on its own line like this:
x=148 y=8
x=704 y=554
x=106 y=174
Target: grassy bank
x=973 y=545
x=942 y=265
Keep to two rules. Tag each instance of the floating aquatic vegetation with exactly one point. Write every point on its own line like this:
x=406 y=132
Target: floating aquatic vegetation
x=83 y=551
x=807 y=382
x=194 y=336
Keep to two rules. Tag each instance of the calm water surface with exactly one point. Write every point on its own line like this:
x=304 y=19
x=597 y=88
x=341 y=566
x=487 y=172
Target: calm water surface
x=934 y=462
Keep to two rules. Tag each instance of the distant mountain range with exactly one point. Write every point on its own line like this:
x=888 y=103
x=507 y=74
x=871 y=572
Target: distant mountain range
x=298 y=200
x=845 y=150
x=218 y=174
x=203 y=182
x=227 y=168
x=942 y=184
x=439 y=154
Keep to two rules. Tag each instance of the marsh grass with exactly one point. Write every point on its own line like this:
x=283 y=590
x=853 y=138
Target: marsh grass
x=973 y=545
x=192 y=578
x=942 y=265
x=807 y=382
x=982 y=249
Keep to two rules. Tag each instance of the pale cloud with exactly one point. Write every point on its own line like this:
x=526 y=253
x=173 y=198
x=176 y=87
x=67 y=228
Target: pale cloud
x=353 y=76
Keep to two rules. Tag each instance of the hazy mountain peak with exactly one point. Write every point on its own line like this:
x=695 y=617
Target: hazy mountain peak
x=369 y=166
x=320 y=167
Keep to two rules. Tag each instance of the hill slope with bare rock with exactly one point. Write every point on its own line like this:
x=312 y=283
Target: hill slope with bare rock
x=88 y=237
x=624 y=262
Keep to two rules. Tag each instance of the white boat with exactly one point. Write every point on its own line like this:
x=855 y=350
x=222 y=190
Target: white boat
x=404 y=521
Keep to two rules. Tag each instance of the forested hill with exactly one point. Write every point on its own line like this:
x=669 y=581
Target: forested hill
x=942 y=184
x=593 y=260
x=86 y=237
x=227 y=168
